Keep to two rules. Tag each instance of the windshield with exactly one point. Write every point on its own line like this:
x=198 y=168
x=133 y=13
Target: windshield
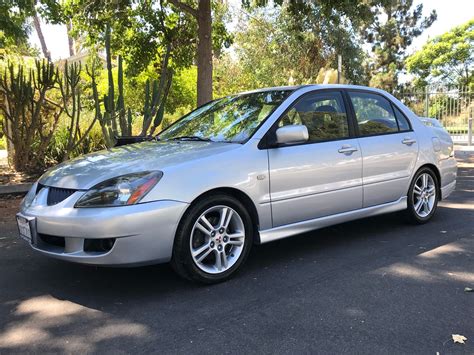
x=230 y=119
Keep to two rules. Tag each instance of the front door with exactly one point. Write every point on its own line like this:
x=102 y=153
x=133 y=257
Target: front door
x=322 y=176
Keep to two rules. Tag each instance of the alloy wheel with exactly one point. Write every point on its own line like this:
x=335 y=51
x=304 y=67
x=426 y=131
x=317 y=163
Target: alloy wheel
x=424 y=195
x=217 y=239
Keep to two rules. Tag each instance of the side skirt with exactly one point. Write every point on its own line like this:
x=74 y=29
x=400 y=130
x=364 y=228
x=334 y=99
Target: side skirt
x=269 y=235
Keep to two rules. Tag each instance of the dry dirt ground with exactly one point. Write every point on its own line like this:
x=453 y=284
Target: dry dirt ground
x=9 y=176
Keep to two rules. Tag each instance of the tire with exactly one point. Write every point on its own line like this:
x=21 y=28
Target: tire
x=423 y=196
x=212 y=252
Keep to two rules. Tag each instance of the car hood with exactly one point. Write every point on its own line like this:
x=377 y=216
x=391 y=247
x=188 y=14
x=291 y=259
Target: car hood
x=88 y=170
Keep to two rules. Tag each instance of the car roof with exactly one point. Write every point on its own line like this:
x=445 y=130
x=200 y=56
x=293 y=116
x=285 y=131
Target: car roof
x=316 y=86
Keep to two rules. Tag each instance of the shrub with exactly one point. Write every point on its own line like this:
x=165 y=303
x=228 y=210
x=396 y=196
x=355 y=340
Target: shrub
x=55 y=152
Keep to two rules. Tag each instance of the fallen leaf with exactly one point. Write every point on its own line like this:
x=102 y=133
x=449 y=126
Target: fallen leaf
x=468 y=289
x=457 y=338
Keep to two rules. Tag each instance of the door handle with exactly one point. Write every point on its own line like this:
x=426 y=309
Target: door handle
x=408 y=141
x=347 y=149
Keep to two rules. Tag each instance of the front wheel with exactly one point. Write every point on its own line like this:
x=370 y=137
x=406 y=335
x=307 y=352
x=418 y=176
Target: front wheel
x=423 y=196
x=213 y=239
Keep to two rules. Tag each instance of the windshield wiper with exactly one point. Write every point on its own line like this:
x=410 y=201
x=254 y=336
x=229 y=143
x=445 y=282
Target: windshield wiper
x=191 y=138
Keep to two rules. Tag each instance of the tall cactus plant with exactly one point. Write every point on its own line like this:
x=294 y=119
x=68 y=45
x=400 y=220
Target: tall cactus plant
x=30 y=111
x=115 y=119
x=70 y=87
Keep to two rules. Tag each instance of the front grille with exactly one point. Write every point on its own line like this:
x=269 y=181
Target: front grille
x=57 y=194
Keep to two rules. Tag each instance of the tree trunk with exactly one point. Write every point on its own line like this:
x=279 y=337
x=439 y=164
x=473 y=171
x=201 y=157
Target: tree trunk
x=204 y=53
x=70 y=40
x=44 y=48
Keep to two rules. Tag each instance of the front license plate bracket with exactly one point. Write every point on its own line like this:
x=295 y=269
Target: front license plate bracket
x=26 y=228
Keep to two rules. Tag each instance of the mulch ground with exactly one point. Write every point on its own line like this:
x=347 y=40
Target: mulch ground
x=9 y=176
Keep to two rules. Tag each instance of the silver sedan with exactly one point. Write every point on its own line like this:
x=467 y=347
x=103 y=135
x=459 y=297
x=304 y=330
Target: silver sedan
x=248 y=168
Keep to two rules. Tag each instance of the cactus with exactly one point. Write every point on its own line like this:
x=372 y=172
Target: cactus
x=70 y=88
x=115 y=115
x=30 y=112
x=154 y=113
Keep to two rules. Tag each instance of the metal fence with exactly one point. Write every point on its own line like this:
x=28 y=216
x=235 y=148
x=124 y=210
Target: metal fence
x=452 y=106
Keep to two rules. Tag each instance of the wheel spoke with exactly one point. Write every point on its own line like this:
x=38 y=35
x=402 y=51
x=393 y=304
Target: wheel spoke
x=226 y=216
x=204 y=255
x=418 y=206
x=224 y=259
x=427 y=207
x=424 y=181
x=204 y=225
x=236 y=239
x=431 y=191
x=198 y=251
x=417 y=190
x=237 y=235
x=218 y=260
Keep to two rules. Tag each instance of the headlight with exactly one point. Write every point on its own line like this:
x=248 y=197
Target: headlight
x=28 y=199
x=120 y=191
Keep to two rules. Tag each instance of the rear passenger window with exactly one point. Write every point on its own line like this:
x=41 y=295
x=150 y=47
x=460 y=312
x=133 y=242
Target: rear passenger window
x=322 y=113
x=374 y=114
x=402 y=120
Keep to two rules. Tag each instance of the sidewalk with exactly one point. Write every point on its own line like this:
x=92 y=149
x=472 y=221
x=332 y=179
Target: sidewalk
x=464 y=155
x=3 y=158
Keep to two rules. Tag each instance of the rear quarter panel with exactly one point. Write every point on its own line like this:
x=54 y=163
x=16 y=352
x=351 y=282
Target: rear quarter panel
x=436 y=147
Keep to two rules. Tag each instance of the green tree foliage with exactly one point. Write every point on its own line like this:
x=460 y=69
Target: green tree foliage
x=140 y=30
x=448 y=58
x=392 y=32
x=330 y=28
x=14 y=24
x=280 y=46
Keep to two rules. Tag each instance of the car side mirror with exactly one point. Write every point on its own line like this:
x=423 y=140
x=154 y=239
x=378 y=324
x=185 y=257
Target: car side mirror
x=292 y=134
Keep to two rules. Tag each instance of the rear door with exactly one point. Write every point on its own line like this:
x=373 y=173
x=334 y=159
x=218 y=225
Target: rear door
x=388 y=145
x=322 y=176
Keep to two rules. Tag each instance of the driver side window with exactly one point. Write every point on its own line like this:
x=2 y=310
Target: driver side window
x=322 y=113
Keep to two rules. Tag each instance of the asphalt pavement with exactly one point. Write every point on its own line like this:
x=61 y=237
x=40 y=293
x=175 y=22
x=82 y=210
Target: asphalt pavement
x=372 y=286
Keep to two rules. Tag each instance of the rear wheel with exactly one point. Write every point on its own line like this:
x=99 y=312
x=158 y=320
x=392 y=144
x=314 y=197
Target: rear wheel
x=213 y=239
x=423 y=196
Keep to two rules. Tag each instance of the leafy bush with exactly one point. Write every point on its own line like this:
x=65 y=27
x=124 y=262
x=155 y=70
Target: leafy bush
x=3 y=143
x=55 y=152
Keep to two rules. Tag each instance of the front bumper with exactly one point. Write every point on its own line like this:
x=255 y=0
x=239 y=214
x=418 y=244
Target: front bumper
x=142 y=233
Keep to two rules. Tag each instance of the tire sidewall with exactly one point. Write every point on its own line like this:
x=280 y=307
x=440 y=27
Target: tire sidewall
x=184 y=236
x=411 y=203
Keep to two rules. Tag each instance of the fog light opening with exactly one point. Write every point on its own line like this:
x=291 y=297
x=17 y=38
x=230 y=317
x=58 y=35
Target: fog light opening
x=99 y=245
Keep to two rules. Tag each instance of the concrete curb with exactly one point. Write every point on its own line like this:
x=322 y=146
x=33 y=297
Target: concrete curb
x=14 y=189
